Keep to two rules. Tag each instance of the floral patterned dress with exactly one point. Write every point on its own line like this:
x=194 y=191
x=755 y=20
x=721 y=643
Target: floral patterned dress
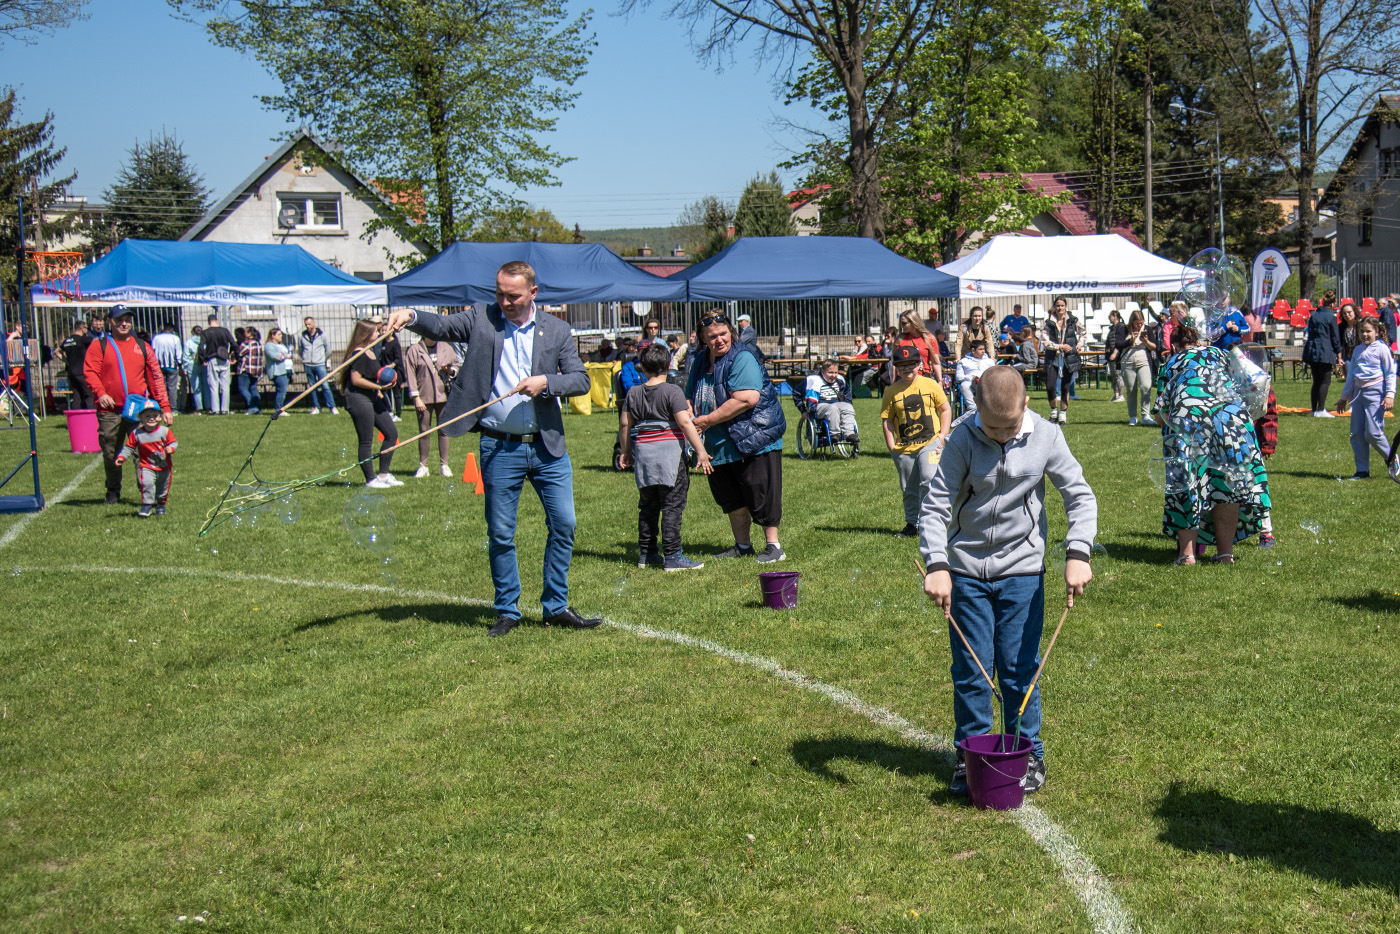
x=1212 y=454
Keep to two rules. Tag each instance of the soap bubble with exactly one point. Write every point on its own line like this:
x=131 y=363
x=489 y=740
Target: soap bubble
x=389 y=568
x=1313 y=527
x=370 y=521
x=1214 y=281
x=1168 y=472
x=288 y=509
x=1099 y=549
x=620 y=586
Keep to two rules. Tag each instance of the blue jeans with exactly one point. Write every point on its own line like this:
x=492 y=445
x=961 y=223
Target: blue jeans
x=280 y=384
x=248 y=389
x=1002 y=620
x=199 y=392
x=505 y=466
x=321 y=396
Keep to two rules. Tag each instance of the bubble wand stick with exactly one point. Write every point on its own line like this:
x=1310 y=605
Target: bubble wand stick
x=1043 y=659
x=967 y=645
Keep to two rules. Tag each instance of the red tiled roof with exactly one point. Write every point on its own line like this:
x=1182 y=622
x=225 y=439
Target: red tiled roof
x=662 y=271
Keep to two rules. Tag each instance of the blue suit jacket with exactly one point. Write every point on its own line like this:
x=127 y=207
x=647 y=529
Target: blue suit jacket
x=482 y=330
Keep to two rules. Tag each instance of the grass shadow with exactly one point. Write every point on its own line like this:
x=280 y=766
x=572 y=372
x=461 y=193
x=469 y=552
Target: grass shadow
x=1162 y=553
x=1305 y=474
x=817 y=755
x=600 y=468
x=1374 y=601
x=882 y=530
x=449 y=614
x=1330 y=845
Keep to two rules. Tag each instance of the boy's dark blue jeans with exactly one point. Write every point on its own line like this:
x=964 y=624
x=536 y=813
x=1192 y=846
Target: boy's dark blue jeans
x=1003 y=621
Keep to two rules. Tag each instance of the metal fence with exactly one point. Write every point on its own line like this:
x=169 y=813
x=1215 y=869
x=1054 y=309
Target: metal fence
x=1370 y=279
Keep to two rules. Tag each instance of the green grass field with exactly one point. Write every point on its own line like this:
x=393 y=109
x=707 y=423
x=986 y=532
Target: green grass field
x=257 y=731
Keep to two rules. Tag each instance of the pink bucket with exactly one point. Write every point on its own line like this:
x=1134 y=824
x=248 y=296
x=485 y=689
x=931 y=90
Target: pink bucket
x=82 y=431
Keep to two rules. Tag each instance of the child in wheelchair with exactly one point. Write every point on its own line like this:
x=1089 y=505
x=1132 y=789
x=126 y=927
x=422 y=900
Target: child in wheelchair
x=827 y=397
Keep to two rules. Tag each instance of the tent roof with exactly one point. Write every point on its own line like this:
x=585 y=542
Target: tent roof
x=812 y=267
x=1011 y=265
x=465 y=273
x=166 y=272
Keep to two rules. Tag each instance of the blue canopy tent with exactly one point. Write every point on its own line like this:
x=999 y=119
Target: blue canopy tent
x=465 y=273
x=812 y=268
x=165 y=272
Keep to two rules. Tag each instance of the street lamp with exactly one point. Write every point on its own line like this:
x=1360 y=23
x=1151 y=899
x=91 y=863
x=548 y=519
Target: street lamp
x=1179 y=110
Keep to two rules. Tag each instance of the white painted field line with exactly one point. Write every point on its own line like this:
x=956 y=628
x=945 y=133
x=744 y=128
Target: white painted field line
x=1077 y=870
x=23 y=521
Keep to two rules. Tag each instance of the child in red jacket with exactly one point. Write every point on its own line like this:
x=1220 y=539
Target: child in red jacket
x=150 y=443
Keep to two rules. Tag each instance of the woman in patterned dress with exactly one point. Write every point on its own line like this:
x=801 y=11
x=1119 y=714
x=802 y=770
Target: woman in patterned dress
x=1217 y=488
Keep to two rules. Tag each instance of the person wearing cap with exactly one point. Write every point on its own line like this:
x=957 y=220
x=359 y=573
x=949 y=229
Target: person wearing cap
x=522 y=361
x=115 y=365
x=747 y=333
x=150 y=443
x=916 y=418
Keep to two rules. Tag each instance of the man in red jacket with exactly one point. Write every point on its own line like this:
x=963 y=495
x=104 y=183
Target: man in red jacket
x=104 y=379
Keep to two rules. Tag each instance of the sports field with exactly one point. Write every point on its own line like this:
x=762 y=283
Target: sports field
x=258 y=731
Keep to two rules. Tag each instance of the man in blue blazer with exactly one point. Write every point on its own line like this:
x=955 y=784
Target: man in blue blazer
x=527 y=359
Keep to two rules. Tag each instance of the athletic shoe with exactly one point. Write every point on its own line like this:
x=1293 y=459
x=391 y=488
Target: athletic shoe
x=1360 y=475
x=160 y=510
x=1133 y=420
x=651 y=559
x=958 y=786
x=334 y=410
x=393 y=480
x=396 y=418
x=1064 y=417
x=144 y=512
x=378 y=483
x=738 y=551
x=446 y=470
x=1323 y=414
x=1266 y=540
x=910 y=530
x=1394 y=470
x=111 y=499
x=1075 y=398
x=421 y=472
x=679 y=562
x=1035 y=775
x=771 y=554
x=315 y=411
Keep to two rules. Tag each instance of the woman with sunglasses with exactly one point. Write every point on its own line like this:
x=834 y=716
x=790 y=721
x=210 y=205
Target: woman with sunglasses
x=741 y=421
x=912 y=333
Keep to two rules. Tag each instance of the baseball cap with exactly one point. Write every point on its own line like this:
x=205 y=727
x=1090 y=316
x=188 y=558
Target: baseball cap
x=906 y=354
x=116 y=311
x=744 y=317
x=151 y=406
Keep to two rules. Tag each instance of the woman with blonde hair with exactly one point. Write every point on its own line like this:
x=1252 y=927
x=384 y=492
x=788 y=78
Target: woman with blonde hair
x=912 y=333
x=364 y=400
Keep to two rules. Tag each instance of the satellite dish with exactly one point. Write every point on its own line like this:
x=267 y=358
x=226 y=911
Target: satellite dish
x=287 y=217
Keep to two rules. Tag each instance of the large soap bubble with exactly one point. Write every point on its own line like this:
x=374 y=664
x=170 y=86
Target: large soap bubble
x=1213 y=280
x=370 y=521
x=1167 y=465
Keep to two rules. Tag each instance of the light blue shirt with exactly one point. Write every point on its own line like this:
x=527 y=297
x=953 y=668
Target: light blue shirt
x=516 y=415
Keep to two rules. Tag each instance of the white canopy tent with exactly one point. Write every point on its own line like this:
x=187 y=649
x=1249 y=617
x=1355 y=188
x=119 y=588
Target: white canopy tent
x=1012 y=265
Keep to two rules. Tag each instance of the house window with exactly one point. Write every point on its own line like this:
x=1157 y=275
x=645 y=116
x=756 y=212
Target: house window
x=375 y=276
x=1387 y=163
x=1364 y=226
x=320 y=211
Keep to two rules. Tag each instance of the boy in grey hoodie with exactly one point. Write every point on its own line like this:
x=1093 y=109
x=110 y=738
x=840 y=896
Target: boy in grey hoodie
x=982 y=531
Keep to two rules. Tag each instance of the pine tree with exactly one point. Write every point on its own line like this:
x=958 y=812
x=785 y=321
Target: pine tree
x=158 y=194
x=27 y=156
x=763 y=209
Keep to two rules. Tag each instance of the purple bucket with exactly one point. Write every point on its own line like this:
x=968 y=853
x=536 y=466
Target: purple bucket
x=994 y=776
x=779 y=589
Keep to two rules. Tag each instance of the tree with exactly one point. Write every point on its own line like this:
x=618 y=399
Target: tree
x=763 y=209
x=25 y=19
x=447 y=98
x=518 y=225
x=704 y=226
x=27 y=156
x=158 y=194
x=840 y=35
x=1336 y=57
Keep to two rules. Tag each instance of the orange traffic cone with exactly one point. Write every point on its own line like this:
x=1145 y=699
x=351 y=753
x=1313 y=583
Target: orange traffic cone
x=472 y=474
x=379 y=436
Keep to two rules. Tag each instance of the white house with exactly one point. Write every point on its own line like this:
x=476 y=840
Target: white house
x=313 y=203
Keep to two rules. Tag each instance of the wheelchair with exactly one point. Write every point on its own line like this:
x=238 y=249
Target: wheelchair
x=814 y=435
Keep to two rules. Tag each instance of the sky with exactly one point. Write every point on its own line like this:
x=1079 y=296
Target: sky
x=653 y=130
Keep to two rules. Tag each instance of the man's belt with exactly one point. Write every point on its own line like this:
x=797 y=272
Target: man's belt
x=502 y=436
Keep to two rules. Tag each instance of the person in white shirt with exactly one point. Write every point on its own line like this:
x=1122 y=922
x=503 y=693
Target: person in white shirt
x=970 y=370
x=830 y=398
x=170 y=351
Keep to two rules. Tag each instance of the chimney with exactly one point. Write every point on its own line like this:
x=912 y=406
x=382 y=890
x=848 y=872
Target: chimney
x=678 y=251
x=645 y=250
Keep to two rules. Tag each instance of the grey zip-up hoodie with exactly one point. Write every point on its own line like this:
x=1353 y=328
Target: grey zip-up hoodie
x=984 y=515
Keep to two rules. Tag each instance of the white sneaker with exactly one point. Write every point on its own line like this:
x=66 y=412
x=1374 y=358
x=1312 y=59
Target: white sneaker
x=397 y=419
x=421 y=472
x=378 y=483
x=334 y=410
x=315 y=411
x=1064 y=418
x=446 y=470
x=392 y=480
x=1323 y=414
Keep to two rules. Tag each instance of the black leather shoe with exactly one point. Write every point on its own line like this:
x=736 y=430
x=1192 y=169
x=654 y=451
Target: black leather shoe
x=504 y=624
x=112 y=499
x=571 y=618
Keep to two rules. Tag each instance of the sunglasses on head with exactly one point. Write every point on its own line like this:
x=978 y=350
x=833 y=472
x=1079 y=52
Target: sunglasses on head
x=717 y=317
